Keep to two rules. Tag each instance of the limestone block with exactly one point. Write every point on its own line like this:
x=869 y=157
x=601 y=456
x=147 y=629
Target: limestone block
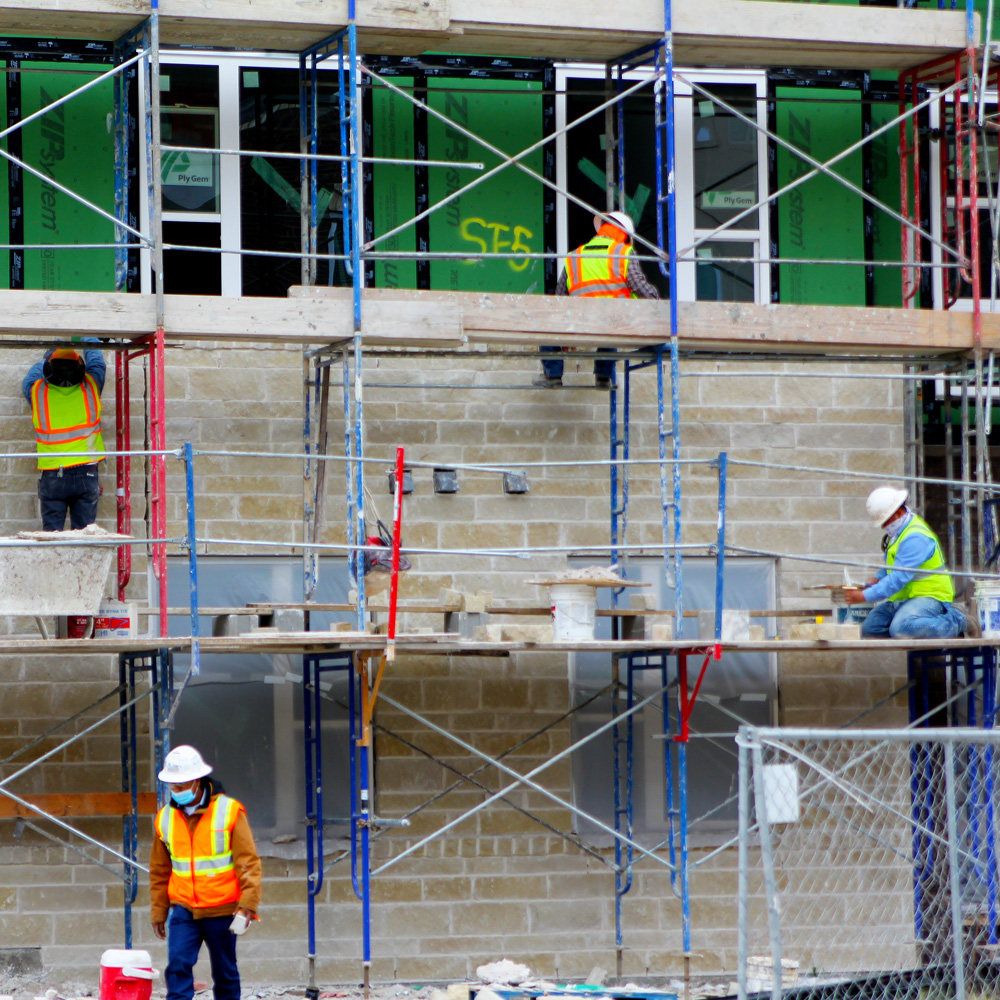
x=341 y=627
x=450 y=598
x=642 y=601
x=735 y=624
x=476 y=602
x=660 y=631
x=757 y=632
x=635 y=626
x=527 y=633
x=488 y=633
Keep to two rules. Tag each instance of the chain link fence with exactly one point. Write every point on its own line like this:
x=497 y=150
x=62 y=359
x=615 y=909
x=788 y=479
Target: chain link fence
x=868 y=864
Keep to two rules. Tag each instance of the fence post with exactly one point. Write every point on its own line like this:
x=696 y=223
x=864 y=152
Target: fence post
x=953 y=871
x=767 y=860
x=742 y=903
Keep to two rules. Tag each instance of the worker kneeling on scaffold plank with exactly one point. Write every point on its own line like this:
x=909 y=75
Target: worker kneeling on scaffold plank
x=915 y=593
x=204 y=876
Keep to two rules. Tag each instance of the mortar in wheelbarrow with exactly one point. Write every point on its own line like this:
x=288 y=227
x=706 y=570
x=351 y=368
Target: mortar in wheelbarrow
x=51 y=573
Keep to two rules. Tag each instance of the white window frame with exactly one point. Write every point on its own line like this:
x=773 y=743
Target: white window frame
x=687 y=233
x=936 y=194
x=230 y=65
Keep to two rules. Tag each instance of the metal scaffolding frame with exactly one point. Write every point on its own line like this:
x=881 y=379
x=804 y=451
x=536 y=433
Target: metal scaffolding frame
x=140 y=49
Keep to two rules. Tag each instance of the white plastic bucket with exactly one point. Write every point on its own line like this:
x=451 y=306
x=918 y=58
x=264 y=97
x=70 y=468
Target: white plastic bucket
x=574 y=608
x=988 y=603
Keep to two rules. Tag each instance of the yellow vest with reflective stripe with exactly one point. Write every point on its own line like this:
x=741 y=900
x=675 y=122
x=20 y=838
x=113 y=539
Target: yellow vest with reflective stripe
x=936 y=585
x=600 y=271
x=67 y=422
x=202 y=872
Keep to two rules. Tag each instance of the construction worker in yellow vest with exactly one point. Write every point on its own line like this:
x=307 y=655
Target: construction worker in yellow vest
x=914 y=593
x=64 y=392
x=602 y=269
x=204 y=876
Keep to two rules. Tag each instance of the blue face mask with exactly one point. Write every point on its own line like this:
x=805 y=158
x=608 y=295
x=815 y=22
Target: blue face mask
x=186 y=797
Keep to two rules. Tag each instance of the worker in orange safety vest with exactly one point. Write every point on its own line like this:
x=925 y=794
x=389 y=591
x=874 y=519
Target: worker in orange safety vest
x=601 y=268
x=204 y=876
x=64 y=392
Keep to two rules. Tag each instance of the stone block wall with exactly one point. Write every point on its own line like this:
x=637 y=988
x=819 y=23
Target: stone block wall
x=499 y=884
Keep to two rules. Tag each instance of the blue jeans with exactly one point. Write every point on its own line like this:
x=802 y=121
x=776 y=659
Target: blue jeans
x=917 y=618
x=184 y=938
x=75 y=489
x=554 y=368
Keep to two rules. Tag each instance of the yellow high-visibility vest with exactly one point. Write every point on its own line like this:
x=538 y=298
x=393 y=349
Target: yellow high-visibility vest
x=202 y=872
x=67 y=422
x=936 y=585
x=600 y=271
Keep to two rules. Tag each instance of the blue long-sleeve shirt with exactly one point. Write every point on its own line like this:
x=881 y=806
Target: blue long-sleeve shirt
x=93 y=361
x=913 y=552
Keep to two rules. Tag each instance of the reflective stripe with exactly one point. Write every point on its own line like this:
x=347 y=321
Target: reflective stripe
x=67 y=423
x=599 y=269
x=604 y=288
x=213 y=865
x=203 y=872
x=936 y=585
x=223 y=819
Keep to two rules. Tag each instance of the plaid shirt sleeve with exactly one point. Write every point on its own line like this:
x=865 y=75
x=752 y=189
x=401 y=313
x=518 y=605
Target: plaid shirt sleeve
x=639 y=283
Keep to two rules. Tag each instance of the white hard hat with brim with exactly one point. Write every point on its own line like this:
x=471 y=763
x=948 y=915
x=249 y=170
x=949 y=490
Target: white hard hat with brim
x=183 y=764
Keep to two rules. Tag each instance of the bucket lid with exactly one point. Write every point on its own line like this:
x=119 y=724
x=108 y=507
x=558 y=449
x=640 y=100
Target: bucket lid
x=118 y=958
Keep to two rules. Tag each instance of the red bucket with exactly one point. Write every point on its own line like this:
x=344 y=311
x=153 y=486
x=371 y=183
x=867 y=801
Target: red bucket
x=126 y=975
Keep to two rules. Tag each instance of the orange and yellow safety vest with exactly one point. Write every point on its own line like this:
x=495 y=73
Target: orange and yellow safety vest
x=600 y=269
x=67 y=422
x=202 y=874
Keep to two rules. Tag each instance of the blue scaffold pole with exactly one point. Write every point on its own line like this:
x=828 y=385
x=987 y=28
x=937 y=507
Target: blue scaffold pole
x=720 y=545
x=192 y=558
x=314 y=812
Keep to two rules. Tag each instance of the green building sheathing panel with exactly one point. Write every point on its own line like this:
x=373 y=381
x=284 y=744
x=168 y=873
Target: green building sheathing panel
x=820 y=219
x=504 y=213
x=72 y=145
x=393 y=187
x=4 y=194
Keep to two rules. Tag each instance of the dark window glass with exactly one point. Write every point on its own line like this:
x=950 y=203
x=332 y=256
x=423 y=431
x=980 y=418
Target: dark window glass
x=190 y=272
x=189 y=117
x=271 y=188
x=722 y=279
x=725 y=158
x=585 y=166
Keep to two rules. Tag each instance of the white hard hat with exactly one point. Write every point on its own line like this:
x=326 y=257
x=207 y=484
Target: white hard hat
x=183 y=764
x=884 y=502
x=620 y=219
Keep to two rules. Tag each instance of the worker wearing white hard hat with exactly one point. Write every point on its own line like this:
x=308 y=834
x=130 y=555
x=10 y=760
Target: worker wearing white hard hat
x=601 y=268
x=914 y=595
x=209 y=902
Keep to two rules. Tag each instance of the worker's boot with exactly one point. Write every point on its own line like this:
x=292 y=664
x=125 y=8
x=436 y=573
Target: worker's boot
x=548 y=383
x=972 y=629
